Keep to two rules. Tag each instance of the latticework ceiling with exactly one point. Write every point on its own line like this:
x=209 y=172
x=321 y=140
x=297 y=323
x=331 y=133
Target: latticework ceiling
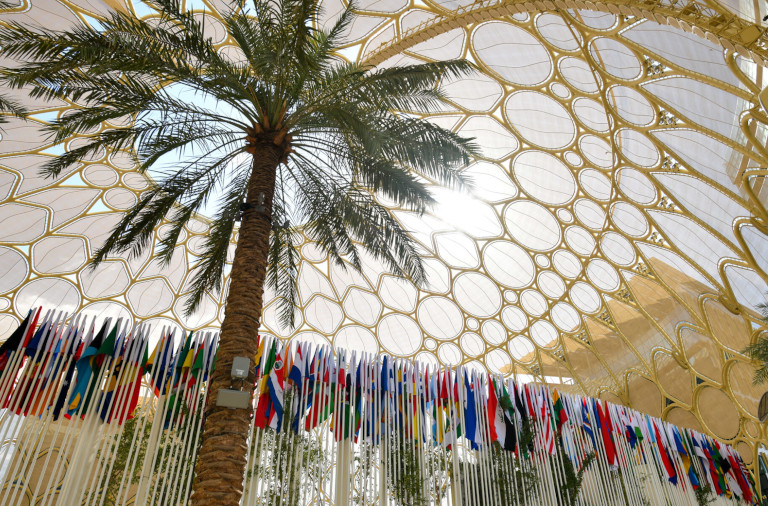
x=615 y=242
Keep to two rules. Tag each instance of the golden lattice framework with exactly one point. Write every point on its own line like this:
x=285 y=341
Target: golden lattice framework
x=616 y=242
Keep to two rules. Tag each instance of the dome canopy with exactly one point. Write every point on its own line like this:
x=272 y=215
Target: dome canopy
x=614 y=243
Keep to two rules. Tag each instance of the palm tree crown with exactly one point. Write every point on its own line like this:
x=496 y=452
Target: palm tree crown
x=339 y=127
x=311 y=139
x=758 y=350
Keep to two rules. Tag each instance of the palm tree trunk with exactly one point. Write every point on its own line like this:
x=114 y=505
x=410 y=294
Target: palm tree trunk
x=222 y=458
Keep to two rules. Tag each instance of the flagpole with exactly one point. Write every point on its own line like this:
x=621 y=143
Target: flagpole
x=323 y=425
x=251 y=484
x=31 y=421
x=166 y=342
x=601 y=452
x=190 y=437
x=342 y=448
x=481 y=406
x=190 y=398
x=134 y=387
x=19 y=379
x=112 y=361
x=260 y=433
x=180 y=431
x=64 y=389
x=154 y=434
x=299 y=400
x=453 y=439
x=77 y=464
x=174 y=395
x=119 y=400
x=10 y=373
x=134 y=451
x=486 y=449
x=281 y=442
x=294 y=410
x=129 y=343
x=14 y=401
x=112 y=434
x=320 y=405
x=381 y=413
x=50 y=383
x=106 y=371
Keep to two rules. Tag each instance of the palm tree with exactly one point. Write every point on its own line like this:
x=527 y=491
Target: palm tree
x=308 y=139
x=758 y=350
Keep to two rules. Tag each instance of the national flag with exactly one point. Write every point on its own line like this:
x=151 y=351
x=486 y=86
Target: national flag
x=85 y=368
x=198 y=366
x=665 y=457
x=470 y=413
x=520 y=410
x=257 y=359
x=605 y=432
x=77 y=344
x=35 y=349
x=264 y=407
x=685 y=457
x=324 y=394
x=703 y=458
x=276 y=386
x=31 y=386
x=508 y=409
x=548 y=437
x=297 y=368
x=15 y=340
x=58 y=359
x=123 y=350
x=738 y=471
x=502 y=429
x=496 y=427
x=134 y=383
x=160 y=364
x=719 y=465
x=124 y=383
x=586 y=425
x=35 y=340
x=560 y=415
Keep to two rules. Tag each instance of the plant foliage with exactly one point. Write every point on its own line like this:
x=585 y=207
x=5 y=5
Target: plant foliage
x=573 y=478
x=758 y=350
x=348 y=133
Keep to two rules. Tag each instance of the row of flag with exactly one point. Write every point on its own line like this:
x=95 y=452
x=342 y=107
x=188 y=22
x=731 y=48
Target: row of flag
x=58 y=368
x=78 y=367
x=369 y=396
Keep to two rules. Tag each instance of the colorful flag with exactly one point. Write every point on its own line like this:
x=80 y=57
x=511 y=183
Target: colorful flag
x=560 y=415
x=496 y=427
x=470 y=413
x=264 y=407
x=15 y=340
x=665 y=457
x=586 y=425
x=276 y=386
x=85 y=368
x=605 y=432
x=548 y=437
x=295 y=374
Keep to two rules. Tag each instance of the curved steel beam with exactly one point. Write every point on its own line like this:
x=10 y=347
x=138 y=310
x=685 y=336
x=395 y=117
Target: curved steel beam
x=703 y=18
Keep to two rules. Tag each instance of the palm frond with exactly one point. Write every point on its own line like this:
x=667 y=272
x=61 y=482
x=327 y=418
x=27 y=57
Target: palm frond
x=283 y=267
x=353 y=133
x=209 y=270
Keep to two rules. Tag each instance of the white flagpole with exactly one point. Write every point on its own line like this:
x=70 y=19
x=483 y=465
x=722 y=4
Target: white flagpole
x=62 y=390
x=47 y=389
x=166 y=353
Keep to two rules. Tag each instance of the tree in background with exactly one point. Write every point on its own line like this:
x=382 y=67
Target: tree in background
x=306 y=139
x=758 y=351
